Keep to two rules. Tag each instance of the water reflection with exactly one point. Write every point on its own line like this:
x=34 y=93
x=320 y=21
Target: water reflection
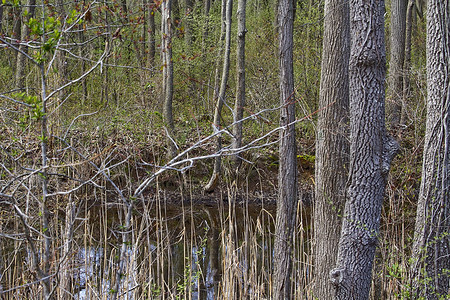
x=184 y=252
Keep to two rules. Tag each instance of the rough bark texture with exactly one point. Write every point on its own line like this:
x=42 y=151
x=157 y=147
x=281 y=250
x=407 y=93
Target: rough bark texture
x=371 y=152
x=431 y=249
x=332 y=143
x=221 y=97
x=166 y=36
x=240 y=79
x=407 y=62
x=287 y=176
x=397 y=51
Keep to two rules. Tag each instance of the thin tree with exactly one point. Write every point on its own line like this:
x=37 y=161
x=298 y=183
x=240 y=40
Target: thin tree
x=397 y=51
x=240 y=79
x=151 y=33
x=167 y=66
x=332 y=144
x=221 y=97
x=371 y=152
x=21 y=55
x=1 y=17
x=287 y=174
x=431 y=248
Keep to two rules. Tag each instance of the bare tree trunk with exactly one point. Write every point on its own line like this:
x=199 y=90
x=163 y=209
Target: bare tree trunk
x=151 y=34
x=371 y=152
x=61 y=59
x=66 y=273
x=206 y=27
x=17 y=29
x=431 y=248
x=1 y=17
x=166 y=37
x=407 y=62
x=395 y=79
x=188 y=6
x=332 y=144
x=240 y=79
x=43 y=205
x=221 y=97
x=287 y=176
x=21 y=59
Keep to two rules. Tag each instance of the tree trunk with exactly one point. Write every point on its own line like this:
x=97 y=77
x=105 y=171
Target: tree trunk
x=397 y=38
x=151 y=34
x=371 y=152
x=221 y=97
x=188 y=6
x=21 y=58
x=61 y=59
x=287 y=176
x=206 y=27
x=431 y=262
x=166 y=37
x=240 y=79
x=1 y=17
x=407 y=62
x=332 y=145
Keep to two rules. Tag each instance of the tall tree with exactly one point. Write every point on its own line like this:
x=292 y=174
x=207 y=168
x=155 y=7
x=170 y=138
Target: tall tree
x=221 y=96
x=287 y=174
x=397 y=51
x=167 y=65
x=240 y=79
x=332 y=145
x=21 y=59
x=371 y=152
x=407 y=62
x=1 y=17
x=431 y=249
x=151 y=33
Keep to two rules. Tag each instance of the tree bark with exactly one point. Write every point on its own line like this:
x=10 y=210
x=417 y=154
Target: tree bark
x=166 y=37
x=61 y=59
x=240 y=79
x=21 y=59
x=371 y=152
x=431 y=262
x=407 y=62
x=206 y=27
x=287 y=176
x=151 y=34
x=332 y=144
x=1 y=17
x=221 y=97
x=397 y=38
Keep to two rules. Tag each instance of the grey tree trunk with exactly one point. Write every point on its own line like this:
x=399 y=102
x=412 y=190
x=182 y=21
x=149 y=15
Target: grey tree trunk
x=166 y=37
x=151 y=34
x=431 y=248
x=332 y=143
x=371 y=152
x=188 y=7
x=1 y=17
x=287 y=176
x=206 y=27
x=21 y=59
x=240 y=79
x=397 y=39
x=221 y=97
x=61 y=59
x=407 y=62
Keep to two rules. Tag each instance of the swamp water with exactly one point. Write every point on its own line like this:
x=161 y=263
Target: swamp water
x=208 y=250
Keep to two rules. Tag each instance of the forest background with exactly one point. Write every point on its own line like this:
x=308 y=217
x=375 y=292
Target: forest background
x=119 y=118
